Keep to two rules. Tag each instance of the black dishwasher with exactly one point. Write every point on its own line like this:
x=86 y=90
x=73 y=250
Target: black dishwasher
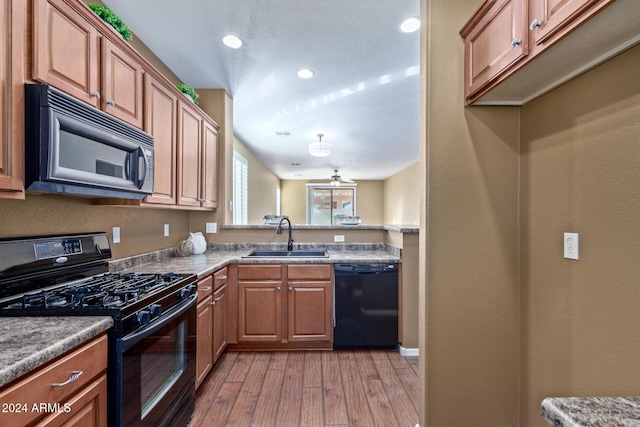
x=366 y=306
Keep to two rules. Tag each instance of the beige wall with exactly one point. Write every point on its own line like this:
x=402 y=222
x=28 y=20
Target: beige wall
x=401 y=201
x=141 y=229
x=469 y=273
x=369 y=201
x=581 y=173
x=261 y=186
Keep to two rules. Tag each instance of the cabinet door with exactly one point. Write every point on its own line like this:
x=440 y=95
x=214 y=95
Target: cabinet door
x=12 y=14
x=160 y=120
x=65 y=50
x=89 y=408
x=209 y=165
x=189 y=141
x=121 y=84
x=553 y=16
x=204 y=340
x=219 y=322
x=309 y=311
x=495 y=40
x=260 y=311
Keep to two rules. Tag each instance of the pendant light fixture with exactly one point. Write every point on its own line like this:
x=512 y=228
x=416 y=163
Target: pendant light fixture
x=319 y=149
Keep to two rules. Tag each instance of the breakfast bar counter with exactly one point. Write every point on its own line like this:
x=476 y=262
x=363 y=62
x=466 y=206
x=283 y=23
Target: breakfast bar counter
x=592 y=411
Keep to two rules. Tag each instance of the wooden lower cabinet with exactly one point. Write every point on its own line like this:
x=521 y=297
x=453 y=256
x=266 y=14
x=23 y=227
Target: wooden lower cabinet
x=285 y=304
x=211 y=329
x=204 y=340
x=220 y=312
x=309 y=311
x=71 y=391
x=260 y=309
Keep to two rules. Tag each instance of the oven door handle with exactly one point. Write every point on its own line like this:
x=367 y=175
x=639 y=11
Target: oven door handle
x=123 y=344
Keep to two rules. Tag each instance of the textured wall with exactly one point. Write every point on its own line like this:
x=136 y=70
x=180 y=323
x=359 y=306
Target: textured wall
x=470 y=271
x=401 y=196
x=581 y=173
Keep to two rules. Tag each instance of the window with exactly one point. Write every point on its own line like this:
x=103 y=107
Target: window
x=326 y=205
x=240 y=188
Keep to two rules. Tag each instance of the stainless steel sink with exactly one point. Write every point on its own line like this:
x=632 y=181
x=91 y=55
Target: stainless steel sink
x=287 y=254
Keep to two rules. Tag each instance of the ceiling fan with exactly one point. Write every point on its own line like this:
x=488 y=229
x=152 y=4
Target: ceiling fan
x=336 y=180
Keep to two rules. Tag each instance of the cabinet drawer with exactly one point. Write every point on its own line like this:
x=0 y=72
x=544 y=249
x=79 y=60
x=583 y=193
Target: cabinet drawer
x=309 y=272
x=205 y=288
x=219 y=278
x=36 y=388
x=260 y=272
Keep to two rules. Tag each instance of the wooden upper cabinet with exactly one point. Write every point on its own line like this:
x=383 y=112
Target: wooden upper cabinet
x=189 y=164
x=65 y=50
x=548 y=17
x=504 y=39
x=121 y=84
x=66 y=46
x=161 y=119
x=209 y=159
x=494 y=40
x=12 y=16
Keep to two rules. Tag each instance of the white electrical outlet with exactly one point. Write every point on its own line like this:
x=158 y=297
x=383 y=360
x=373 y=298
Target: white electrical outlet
x=571 y=246
x=211 y=227
x=166 y=230
x=115 y=235
x=338 y=238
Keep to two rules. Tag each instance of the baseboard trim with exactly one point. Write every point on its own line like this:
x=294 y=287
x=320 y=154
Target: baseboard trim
x=408 y=351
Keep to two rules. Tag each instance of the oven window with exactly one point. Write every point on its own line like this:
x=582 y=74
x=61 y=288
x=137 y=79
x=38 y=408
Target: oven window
x=162 y=363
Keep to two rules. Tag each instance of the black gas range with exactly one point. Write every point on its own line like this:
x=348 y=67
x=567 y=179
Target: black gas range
x=152 y=345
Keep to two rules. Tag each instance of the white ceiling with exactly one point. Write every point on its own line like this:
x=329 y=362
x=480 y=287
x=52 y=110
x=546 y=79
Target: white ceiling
x=364 y=97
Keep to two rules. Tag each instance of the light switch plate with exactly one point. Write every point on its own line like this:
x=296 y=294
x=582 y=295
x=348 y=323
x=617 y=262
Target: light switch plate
x=338 y=238
x=211 y=227
x=115 y=235
x=571 y=246
x=166 y=230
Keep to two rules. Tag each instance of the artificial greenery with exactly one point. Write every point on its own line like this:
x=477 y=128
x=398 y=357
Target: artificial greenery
x=112 y=19
x=189 y=91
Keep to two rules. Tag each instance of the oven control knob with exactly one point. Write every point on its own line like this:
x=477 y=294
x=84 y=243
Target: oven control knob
x=144 y=317
x=187 y=291
x=155 y=309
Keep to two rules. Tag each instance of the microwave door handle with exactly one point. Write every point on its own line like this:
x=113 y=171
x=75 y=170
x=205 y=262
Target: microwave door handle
x=140 y=181
x=127 y=162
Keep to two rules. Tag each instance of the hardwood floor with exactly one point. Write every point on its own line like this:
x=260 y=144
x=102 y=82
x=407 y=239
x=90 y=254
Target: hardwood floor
x=310 y=388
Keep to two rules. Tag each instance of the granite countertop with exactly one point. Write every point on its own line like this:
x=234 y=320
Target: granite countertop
x=29 y=342
x=592 y=411
x=219 y=256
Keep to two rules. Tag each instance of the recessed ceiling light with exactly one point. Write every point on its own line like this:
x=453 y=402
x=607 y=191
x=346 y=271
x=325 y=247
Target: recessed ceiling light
x=410 y=25
x=305 y=73
x=234 y=42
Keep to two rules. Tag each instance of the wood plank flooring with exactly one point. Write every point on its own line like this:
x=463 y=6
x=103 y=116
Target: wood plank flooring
x=310 y=388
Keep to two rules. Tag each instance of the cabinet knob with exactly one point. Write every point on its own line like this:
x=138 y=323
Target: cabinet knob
x=278 y=289
x=222 y=277
x=213 y=303
x=95 y=94
x=535 y=24
x=111 y=103
x=515 y=42
x=206 y=289
x=290 y=288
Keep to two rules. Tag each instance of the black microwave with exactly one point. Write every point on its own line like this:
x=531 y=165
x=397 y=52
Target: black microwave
x=74 y=148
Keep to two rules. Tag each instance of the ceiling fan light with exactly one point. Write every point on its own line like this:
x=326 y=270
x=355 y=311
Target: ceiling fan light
x=319 y=149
